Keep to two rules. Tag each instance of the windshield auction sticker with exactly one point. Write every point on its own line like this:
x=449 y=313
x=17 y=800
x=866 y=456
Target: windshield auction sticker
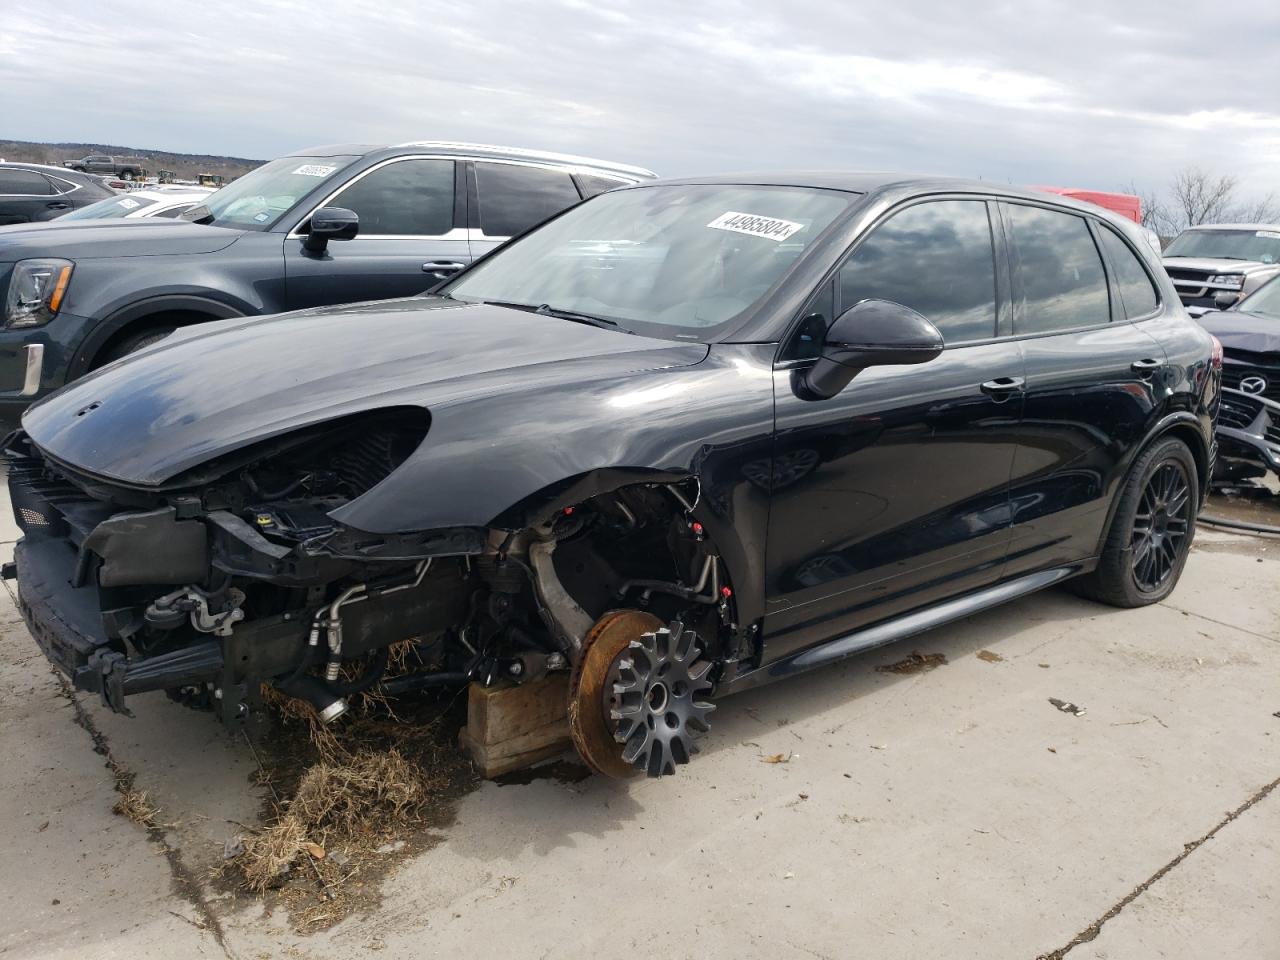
x=128 y=204
x=314 y=170
x=771 y=228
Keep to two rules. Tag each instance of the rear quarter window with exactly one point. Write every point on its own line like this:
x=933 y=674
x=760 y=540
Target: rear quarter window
x=1137 y=293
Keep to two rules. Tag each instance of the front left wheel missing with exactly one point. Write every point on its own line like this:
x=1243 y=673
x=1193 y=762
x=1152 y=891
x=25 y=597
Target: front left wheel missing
x=636 y=701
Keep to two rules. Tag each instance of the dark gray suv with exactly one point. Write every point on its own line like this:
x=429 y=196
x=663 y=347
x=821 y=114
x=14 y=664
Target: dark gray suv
x=78 y=295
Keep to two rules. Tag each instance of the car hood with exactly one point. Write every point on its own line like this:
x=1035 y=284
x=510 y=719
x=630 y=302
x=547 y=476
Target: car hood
x=1241 y=330
x=211 y=389
x=1214 y=265
x=88 y=239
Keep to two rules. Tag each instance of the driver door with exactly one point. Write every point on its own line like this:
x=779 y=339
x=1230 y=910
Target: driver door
x=895 y=493
x=412 y=236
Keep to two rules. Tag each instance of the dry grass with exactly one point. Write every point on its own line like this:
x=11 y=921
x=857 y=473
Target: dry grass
x=367 y=780
x=354 y=801
x=136 y=806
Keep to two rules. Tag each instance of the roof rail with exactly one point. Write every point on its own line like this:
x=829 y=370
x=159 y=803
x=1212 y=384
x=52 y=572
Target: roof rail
x=534 y=155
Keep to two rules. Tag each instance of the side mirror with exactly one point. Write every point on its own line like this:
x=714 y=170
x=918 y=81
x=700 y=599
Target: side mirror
x=330 y=223
x=872 y=333
x=1223 y=299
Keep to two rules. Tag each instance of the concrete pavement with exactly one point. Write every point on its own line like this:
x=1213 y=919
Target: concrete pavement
x=954 y=812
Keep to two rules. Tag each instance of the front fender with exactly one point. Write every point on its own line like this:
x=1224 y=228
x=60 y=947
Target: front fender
x=498 y=459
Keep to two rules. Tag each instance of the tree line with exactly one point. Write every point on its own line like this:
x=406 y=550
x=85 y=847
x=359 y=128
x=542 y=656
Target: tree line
x=1194 y=196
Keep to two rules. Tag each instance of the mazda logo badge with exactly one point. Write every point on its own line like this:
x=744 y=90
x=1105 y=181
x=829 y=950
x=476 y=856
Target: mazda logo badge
x=1253 y=385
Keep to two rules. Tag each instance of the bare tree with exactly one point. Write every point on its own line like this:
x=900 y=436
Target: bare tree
x=1260 y=210
x=1198 y=196
x=1155 y=212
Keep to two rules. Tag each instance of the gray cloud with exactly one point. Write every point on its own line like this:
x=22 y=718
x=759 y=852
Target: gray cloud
x=1033 y=92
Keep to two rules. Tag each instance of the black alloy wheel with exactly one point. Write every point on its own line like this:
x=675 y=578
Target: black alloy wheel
x=1149 y=539
x=1161 y=526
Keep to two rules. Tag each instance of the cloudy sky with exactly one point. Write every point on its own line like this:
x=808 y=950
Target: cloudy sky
x=1030 y=92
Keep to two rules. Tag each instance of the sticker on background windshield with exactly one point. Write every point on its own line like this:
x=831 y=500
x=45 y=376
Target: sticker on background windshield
x=771 y=228
x=128 y=204
x=1269 y=234
x=262 y=217
x=315 y=170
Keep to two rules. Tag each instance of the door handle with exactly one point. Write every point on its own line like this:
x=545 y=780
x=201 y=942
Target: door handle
x=1145 y=368
x=1002 y=388
x=440 y=269
x=58 y=206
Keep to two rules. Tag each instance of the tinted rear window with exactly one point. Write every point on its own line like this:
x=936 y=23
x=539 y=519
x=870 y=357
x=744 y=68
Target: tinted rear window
x=1059 y=283
x=24 y=183
x=514 y=198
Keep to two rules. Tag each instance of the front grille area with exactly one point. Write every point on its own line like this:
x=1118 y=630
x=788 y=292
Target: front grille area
x=1241 y=365
x=1181 y=273
x=1242 y=412
x=1237 y=412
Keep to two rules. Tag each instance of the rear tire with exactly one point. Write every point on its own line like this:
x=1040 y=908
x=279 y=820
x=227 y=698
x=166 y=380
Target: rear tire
x=1150 y=535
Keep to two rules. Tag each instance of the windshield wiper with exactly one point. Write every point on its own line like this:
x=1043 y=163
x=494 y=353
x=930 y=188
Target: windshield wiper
x=549 y=311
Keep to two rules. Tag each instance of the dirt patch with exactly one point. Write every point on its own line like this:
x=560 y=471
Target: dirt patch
x=348 y=803
x=916 y=663
x=990 y=656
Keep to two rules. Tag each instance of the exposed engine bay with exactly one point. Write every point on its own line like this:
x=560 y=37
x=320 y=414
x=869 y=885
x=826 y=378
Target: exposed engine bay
x=235 y=576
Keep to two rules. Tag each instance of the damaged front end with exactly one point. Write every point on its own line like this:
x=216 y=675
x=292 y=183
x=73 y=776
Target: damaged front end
x=221 y=579
x=1248 y=435
x=236 y=574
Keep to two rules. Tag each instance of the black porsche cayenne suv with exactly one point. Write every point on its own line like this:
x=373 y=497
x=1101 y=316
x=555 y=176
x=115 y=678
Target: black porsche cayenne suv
x=686 y=438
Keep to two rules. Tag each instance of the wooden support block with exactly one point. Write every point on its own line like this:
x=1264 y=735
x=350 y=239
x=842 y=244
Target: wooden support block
x=512 y=726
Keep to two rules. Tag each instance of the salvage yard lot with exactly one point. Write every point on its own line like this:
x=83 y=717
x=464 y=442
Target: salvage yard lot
x=951 y=811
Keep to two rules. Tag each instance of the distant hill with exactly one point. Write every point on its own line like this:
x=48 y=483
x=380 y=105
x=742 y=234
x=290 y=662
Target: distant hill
x=185 y=166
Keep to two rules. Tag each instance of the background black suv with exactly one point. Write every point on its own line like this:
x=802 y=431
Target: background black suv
x=33 y=192
x=78 y=295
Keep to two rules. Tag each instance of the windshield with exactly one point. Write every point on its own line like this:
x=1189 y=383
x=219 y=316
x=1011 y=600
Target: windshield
x=109 y=208
x=1264 y=300
x=1260 y=245
x=668 y=261
x=260 y=198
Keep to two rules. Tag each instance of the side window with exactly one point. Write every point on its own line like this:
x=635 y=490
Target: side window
x=405 y=198
x=513 y=198
x=174 y=212
x=24 y=183
x=935 y=258
x=1137 y=292
x=1059 y=283
x=593 y=184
